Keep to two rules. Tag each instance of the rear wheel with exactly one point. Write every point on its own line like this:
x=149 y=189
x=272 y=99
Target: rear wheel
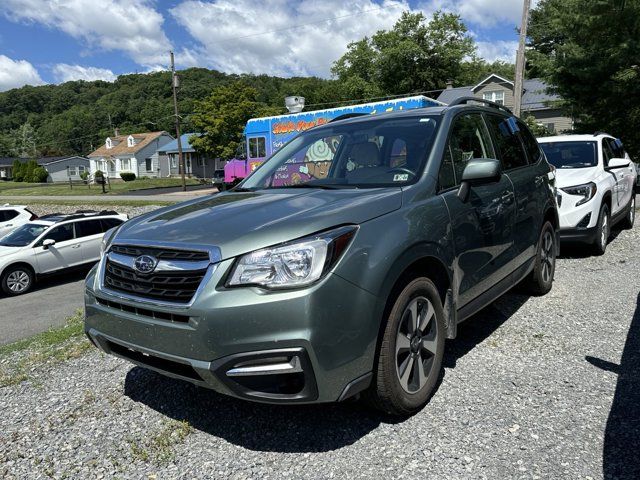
x=411 y=351
x=630 y=217
x=540 y=281
x=17 y=280
x=603 y=230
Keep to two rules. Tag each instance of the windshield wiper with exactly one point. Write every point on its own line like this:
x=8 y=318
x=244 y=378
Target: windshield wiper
x=322 y=186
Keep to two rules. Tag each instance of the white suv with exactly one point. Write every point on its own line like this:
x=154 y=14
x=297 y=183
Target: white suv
x=595 y=179
x=12 y=216
x=50 y=244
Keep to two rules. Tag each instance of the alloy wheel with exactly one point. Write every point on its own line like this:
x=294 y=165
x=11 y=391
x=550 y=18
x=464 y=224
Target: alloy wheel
x=18 y=281
x=632 y=210
x=547 y=257
x=416 y=344
x=604 y=233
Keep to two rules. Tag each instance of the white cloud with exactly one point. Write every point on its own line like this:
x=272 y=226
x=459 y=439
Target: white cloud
x=64 y=72
x=498 y=50
x=131 y=26
x=486 y=13
x=226 y=31
x=17 y=73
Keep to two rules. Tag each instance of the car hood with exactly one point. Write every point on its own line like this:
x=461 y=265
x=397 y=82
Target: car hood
x=570 y=177
x=239 y=222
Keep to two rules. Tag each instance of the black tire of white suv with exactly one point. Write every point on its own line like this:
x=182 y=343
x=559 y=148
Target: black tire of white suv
x=17 y=280
x=630 y=217
x=603 y=229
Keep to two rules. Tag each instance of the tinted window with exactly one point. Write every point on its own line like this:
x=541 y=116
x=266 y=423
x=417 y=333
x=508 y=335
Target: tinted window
x=508 y=144
x=530 y=143
x=60 y=233
x=88 y=227
x=615 y=148
x=468 y=139
x=571 y=154
x=6 y=215
x=108 y=223
x=607 y=152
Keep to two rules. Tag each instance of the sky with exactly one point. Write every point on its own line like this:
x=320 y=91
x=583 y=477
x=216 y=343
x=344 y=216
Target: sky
x=53 y=41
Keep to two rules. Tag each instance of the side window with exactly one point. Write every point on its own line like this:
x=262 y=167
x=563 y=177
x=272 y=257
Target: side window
x=108 y=223
x=607 y=152
x=530 y=143
x=508 y=144
x=257 y=147
x=87 y=228
x=616 y=148
x=10 y=214
x=61 y=233
x=468 y=139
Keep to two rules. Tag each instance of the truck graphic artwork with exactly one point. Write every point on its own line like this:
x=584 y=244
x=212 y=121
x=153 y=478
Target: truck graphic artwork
x=265 y=136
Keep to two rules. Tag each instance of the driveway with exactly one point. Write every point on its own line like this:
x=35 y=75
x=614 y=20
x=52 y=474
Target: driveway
x=52 y=301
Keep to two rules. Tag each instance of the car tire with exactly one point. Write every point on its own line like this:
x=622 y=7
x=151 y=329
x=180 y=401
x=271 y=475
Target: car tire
x=409 y=359
x=17 y=280
x=540 y=280
x=603 y=230
x=630 y=217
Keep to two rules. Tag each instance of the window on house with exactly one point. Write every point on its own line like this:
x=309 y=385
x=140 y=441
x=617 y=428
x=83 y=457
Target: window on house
x=130 y=141
x=174 y=161
x=81 y=169
x=125 y=164
x=148 y=164
x=73 y=171
x=257 y=147
x=200 y=162
x=496 y=96
x=550 y=126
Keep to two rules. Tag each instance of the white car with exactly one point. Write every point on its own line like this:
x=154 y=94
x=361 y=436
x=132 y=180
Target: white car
x=50 y=244
x=595 y=179
x=12 y=216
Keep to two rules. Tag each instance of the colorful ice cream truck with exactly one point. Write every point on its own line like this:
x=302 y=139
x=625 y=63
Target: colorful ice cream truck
x=264 y=136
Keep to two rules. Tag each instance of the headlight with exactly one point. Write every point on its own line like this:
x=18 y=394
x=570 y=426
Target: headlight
x=107 y=238
x=295 y=264
x=587 y=191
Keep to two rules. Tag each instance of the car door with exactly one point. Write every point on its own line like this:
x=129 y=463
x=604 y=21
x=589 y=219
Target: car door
x=89 y=235
x=625 y=176
x=482 y=227
x=65 y=253
x=617 y=176
x=508 y=136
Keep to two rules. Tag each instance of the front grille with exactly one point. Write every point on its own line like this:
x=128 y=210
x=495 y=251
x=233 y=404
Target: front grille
x=173 y=286
x=161 y=253
x=145 y=312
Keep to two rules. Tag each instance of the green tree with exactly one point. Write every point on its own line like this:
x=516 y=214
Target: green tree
x=536 y=128
x=589 y=51
x=221 y=118
x=17 y=171
x=415 y=55
x=26 y=141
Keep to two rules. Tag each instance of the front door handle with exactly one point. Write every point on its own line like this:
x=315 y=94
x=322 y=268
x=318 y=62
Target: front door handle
x=539 y=181
x=76 y=246
x=507 y=197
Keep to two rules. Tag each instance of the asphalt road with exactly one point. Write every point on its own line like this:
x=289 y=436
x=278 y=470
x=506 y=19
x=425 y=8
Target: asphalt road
x=48 y=305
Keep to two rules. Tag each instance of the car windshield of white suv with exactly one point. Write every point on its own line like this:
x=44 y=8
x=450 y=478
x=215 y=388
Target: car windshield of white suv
x=571 y=154
x=374 y=153
x=23 y=235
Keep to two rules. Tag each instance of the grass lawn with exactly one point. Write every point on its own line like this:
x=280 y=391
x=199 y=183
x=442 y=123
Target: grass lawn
x=19 y=188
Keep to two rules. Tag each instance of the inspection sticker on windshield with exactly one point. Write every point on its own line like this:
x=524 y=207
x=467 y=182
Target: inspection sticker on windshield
x=401 y=177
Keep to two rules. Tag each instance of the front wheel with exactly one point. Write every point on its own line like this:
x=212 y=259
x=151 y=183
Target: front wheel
x=540 y=280
x=602 y=231
x=17 y=280
x=411 y=351
x=630 y=217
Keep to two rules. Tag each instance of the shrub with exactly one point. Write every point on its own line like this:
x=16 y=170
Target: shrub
x=29 y=168
x=39 y=175
x=98 y=173
x=84 y=175
x=128 y=176
x=18 y=171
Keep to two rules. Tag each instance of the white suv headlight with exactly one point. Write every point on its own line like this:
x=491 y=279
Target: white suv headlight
x=587 y=191
x=295 y=264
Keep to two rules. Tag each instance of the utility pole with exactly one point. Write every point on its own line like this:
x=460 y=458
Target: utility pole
x=520 y=60
x=174 y=84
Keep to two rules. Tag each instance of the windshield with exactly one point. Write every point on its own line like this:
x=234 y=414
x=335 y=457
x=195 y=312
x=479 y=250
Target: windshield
x=23 y=236
x=571 y=154
x=375 y=153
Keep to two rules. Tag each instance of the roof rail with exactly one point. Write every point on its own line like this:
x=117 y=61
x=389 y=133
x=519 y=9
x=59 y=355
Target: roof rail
x=61 y=217
x=595 y=134
x=465 y=100
x=347 y=115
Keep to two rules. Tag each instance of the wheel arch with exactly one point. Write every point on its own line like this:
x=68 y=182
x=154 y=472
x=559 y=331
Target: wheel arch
x=18 y=263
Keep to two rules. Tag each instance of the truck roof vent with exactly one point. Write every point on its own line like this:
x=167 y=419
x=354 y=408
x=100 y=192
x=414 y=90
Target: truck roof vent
x=294 y=104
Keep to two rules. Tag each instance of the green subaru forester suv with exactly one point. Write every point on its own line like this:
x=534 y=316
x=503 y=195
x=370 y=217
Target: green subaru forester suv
x=340 y=266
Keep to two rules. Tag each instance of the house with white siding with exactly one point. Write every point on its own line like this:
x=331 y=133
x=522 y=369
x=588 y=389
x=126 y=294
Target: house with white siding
x=537 y=101
x=136 y=153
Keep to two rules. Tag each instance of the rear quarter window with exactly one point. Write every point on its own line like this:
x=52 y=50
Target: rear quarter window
x=505 y=132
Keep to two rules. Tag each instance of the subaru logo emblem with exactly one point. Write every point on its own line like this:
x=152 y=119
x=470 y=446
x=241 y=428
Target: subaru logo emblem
x=145 y=264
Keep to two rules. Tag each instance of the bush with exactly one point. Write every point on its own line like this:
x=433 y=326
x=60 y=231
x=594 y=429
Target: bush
x=18 y=171
x=39 y=175
x=98 y=174
x=128 y=176
x=84 y=175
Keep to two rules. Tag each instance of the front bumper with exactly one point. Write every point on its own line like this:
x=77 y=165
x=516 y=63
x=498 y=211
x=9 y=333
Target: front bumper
x=327 y=333
x=582 y=235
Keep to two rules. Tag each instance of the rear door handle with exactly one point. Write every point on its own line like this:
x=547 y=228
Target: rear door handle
x=76 y=246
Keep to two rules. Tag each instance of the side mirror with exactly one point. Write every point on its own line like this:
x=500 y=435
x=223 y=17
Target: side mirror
x=479 y=171
x=617 y=163
x=47 y=243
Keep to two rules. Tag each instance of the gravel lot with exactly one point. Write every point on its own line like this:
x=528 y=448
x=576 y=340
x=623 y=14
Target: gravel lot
x=132 y=211
x=533 y=388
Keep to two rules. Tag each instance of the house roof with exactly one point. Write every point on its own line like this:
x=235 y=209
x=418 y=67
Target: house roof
x=42 y=161
x=172 y=147
x=122 y=148
x=535 y=96
x=495 y=78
